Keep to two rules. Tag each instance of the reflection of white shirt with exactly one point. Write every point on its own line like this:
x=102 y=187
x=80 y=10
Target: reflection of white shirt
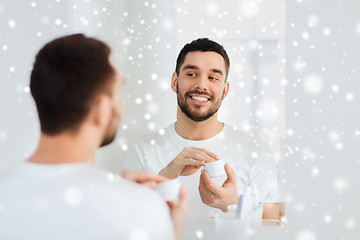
x=78 y=201
x=245 y=155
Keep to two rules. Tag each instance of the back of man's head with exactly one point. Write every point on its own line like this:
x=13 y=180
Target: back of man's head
x=203 y=45
x=67 y=74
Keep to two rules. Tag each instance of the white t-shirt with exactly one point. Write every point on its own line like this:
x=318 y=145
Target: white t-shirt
x=249 y=158
x=78 y=201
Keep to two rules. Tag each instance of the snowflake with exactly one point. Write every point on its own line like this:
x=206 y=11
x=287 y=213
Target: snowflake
x=305 y=235
x=340 y=185
x=199 y=234
x=249 y=8
x=12 y=23
x=72 y=196
x=313 y=83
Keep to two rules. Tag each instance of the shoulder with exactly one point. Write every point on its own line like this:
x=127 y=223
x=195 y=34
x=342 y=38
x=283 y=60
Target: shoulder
x=154 y=138
x=239 y=136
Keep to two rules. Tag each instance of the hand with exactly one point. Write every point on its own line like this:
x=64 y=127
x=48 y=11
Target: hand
x=271 y=211
x=216 y=196
x=189 y=160
x=143 y=178
x=178 y=211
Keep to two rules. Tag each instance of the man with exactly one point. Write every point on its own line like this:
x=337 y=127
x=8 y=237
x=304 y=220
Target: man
x=57 y=193
x=197 y=137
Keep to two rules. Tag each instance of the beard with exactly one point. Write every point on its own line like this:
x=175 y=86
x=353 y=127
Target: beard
x=108 y=139
x=193 y=112
x=110 y=132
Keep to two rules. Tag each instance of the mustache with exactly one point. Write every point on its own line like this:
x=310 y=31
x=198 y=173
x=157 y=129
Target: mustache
x=187 y=94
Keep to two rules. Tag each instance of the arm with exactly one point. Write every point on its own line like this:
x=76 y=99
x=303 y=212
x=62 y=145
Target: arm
x=189 y=160
x=216 y=196
x=178 y=211
x=143 y=178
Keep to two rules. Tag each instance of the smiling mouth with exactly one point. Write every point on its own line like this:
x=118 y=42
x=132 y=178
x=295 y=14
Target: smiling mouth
x=201 y=99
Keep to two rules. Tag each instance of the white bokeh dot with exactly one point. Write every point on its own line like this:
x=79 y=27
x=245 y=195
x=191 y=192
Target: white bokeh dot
x=305 y=235
x=212 y=8
x=138 y=100
x=124 y=147
x=110 y=177
x=334 y=136
x=126 y=41
x=299 y=65
x=335 y=88
x=199 y=234
x=305 y=35
x=154 y=76
x=290 y=132
x=357 y=28
x=350 y=223
x=313 y=21
x=349 y=97
x=315 y=171
x=12 y=23
x=313 y=83
x=327 y=218
x=249 y=8
x=138 y=234
x=340 y=185
x=58 y=21
x=327 y=32
x=147 y=116
x=72 y=196
x=26 y=89
x=161 y=131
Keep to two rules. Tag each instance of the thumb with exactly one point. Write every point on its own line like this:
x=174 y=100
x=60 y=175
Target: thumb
x=231 y=177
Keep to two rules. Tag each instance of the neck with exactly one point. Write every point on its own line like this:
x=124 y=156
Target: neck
x=64 y=148
x=197 y=131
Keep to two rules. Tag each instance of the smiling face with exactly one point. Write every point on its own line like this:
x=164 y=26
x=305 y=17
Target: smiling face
x=201 y=85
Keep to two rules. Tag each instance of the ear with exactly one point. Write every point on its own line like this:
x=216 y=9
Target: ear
x=174 y=82
x=226 y=89
x=101 y=110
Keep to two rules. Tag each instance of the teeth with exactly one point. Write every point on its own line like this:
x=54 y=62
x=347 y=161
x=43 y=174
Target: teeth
x=199 y=98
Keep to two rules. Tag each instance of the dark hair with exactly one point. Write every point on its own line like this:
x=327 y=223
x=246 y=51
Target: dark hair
x=67 y=74
x=204 y=45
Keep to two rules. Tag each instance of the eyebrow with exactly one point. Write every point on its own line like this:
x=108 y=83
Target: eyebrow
x=197 y=68
x=190 y=67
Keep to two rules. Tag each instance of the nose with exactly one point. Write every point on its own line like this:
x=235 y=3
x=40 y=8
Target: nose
x=201 y=83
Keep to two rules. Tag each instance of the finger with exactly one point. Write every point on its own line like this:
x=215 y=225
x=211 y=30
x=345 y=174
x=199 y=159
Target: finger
x=189 y=170
x=149 y=184
x=212 y=155
x=206 y=195
x=210 y=185
x=171 y=204
x=142 y=176
x=192 y=161
x=146 y=176
x=231 y=177
x=199 y=154
x=127 y=173
x=183 y=197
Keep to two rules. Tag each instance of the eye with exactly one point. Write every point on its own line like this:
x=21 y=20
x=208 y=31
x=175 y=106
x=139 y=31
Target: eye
x=213 y=78
x=191 y=74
